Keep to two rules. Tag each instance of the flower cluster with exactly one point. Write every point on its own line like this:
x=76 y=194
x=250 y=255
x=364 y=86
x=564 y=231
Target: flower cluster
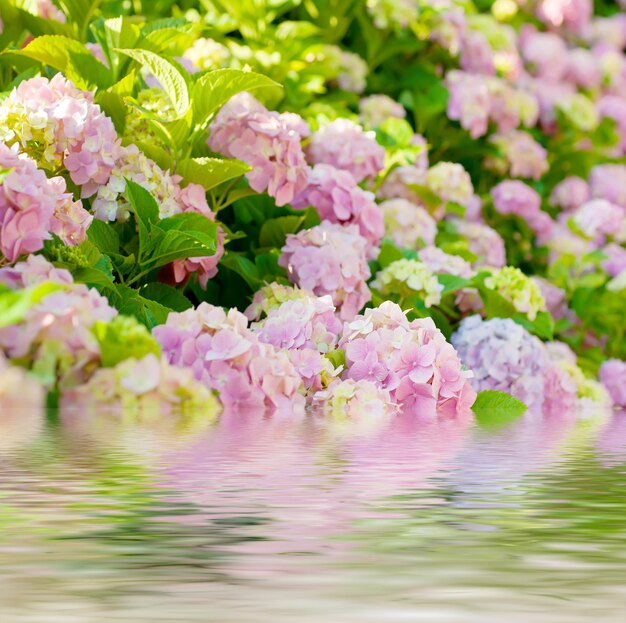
x=376 y=109
x=330 y=259
x=409 y=279
x=223 y=353
x=19 y=393
x=33 y=206
x=344 y=145
x=412 y=360
x=58 y=124
x=524 y=156
x=450 y=182
x=338 y=199
x=503 y=356
x=513 y=285
x=407 y=223
x=483 y=241
x=612 y=376
x=360 y=400
x=139 y=390
x=55 y=337
x=268 y=141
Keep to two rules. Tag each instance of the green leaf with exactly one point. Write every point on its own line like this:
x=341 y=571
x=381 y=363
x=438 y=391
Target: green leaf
x=104 y=236
x=148 y=312
x=211 y=172
x=171 y=79
x=274 y=231
x=15 y=303
x=493 y=408
x=166 y=295
x=79 y=12
x=542 y=326
x=244 y=268
x=395 y=133
x=70 y=57
x=146 y=211
x=215 y=88
x=452 y=283
x=389 y=253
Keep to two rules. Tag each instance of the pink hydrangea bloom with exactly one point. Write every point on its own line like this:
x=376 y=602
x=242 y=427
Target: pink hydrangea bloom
x=273 y=295
x=47 y=10
x=140 y=390
x=268 y=141
x=344 y=145
x=192 y=198
x=34 y=270
x=559 y=391
x=513 y=197
x=330 y=259
x=375 y=109
x=61 y=125
x=571 y=14
x=31 y=206
x=338 y=199
x=555 y=297
x=469 y=102
x=412 y=360
x=613 y=377
x=615 y=261
x=544 y=53
x=223 y=353
x=407 y=223
x=354 y=400
x=608 y=181
x=583 y=69
x=599 y=218
x=301 y=323
x=396 y=184
x=55 y=336
x=570 y=193
x=19 y=393
x=607 y=30
x=476 y=54
x=525 y=157
x=483 y=241
x=439 y=261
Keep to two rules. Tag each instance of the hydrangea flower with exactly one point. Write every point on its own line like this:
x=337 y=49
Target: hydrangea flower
x=32 y=206
x=55 y=338
x=580 y=111
x=223 y=353
x=412 y=360
x=338 y=199
x=301 y=323
x=439 y=261
x=544 y=53
x=396 y=184
x=450 y=182
x=354 y=400
x=613 y=377
x=574 y=15
x=407 y=223
x=409 y=278
x=60 y=124
x=35 y=269
x=348 y=68
x=524 y=156
x=268 y=141
x=570 y=193
x=514 y=197
x=615 y=262
x=375 y=109
x=394 y=14
x=19 y=393
x=554 y=297
x=608 y=181
x=614 y=108
x=330 y=259
x=598 y=219
x=483 y=241
x=273 y=295
x=205 y=53
x=141 y=390
x=521 y=291
x=503 y=356
x=344 y=145
x=469 y=102
x=476 y=54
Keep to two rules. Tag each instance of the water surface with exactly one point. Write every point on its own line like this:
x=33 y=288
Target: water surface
x=268 y=522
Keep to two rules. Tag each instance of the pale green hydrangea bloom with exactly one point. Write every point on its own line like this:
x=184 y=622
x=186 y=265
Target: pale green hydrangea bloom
x=513 y=285
x=409 y=278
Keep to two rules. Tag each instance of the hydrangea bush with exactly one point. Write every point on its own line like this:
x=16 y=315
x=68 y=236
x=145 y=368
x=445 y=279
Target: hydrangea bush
x=357 y=209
